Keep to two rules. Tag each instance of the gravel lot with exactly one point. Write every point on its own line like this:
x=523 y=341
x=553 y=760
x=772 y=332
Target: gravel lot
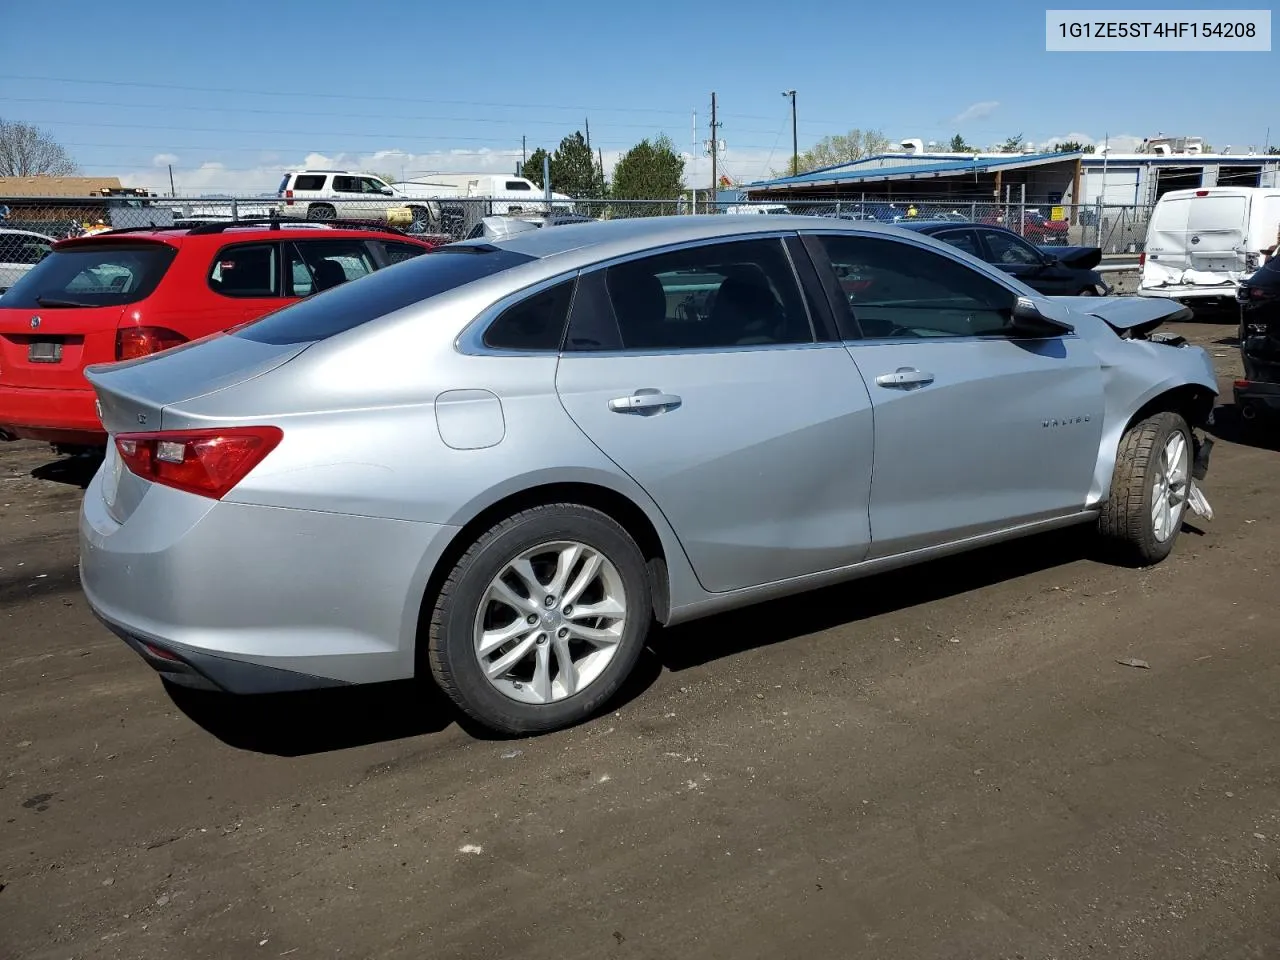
x=946 y=762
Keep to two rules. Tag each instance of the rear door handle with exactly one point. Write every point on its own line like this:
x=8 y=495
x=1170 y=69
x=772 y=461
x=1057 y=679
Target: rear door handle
x=644 y=401
x=904 y=378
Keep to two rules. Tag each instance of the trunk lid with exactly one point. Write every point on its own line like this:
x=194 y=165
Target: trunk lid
x=64 y=313
x=132 y=396
x=50 y=346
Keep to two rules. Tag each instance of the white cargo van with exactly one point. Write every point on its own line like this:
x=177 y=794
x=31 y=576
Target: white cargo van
x=510 y=194
x=1202 y=243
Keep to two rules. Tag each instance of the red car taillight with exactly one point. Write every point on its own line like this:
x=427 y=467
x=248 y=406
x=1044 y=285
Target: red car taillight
x=205 y=462
x=134 y=342
x=288 y=198
x=1142 y=259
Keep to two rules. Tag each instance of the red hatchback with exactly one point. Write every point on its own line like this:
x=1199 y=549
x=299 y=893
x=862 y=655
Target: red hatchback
x=128 y=293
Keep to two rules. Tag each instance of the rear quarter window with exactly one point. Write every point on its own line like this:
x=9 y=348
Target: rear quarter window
x=108 y=274
x=352 y=304
x=309 y=182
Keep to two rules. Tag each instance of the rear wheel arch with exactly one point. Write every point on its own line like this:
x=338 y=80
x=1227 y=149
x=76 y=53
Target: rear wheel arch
x=624 y=511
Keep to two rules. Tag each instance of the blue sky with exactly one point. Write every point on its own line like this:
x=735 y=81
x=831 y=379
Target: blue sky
x=231 y=93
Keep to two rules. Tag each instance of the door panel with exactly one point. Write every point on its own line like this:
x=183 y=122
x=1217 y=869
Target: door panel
x=697 y=373
x=762 y=467
x=1005 y=432
x=974 y=430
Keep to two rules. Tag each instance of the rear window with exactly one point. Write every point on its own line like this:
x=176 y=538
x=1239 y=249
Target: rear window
x=350 y=305
x=102 y=275
x=1216 y=213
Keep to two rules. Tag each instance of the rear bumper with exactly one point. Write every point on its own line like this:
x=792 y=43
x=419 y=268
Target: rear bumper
x=1226 y=291
x=1258 y=396
x=56 y=416
x=251 y=599
x=187 y=667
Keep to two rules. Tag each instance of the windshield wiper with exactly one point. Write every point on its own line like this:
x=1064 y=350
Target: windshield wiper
x=55 y=302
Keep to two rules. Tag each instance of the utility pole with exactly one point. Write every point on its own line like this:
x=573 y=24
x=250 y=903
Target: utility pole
x=795 y=144
x=172 y=192
x=524 y=151
x=715 y=150
x=586 y=122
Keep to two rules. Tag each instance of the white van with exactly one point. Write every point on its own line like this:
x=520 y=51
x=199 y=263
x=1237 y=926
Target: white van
x=510 y=194
x=1202 y=243
x=759 y=208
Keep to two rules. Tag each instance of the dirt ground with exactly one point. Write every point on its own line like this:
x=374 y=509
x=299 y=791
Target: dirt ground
x=946 y=762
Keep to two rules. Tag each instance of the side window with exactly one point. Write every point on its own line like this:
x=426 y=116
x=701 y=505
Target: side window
x=1010 y=250
x=535 y=323
x=965 y=240
x=399 y=252
x=248 y=270
x=518 y=185
x=741 y=293
x=346 y=185
x=896 y=290
x=309 y=181
x=35 y=251
x=370 y=185
x=316 y=265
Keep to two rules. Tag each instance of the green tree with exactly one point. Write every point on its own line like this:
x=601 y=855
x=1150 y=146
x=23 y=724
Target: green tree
x=649 y=171
x=1273 y=151
x=1068 y=146
x=1012 y=145
x=574 y=170
x=843 y=148
x=532 y=168
x=959 y=146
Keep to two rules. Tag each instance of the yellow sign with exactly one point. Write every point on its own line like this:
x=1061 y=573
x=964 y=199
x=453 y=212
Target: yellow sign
x=1058 y=213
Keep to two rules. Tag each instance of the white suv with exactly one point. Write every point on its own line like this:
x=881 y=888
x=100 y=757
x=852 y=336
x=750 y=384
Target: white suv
x=341 y=194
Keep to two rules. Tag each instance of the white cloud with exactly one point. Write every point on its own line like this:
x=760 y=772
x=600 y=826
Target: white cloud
x=164 y=159
x=976 y=111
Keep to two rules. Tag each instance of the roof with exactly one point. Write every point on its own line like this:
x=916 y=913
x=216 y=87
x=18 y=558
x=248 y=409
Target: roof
x=238 y=230
x=911 y=167
x=585 y=243
x=56 y=186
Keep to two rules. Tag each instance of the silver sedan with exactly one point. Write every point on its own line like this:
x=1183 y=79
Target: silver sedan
x=500 y=463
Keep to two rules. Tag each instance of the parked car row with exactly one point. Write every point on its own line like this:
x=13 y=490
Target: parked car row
x=124 y=294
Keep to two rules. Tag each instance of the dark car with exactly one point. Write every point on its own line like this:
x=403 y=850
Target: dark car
x=1062 y=271
x=1259 y=297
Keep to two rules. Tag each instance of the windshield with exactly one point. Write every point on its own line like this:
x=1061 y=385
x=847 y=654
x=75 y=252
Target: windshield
x=348 y=306
x=103 y=275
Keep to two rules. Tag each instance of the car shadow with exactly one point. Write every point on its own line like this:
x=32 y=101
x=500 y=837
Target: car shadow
x=75 y=471
x=1262 y=432
x=316 y=721
x=702 y=641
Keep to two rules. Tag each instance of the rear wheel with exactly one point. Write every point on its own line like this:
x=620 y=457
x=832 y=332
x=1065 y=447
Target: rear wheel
x=1149 y=489
x=541 y=619
x=321 y=211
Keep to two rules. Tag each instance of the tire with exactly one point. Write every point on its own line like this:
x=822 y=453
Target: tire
x=321 y=211
x=1126 y=523
x=421 y=217
x=527 y=698
x=1087 y=292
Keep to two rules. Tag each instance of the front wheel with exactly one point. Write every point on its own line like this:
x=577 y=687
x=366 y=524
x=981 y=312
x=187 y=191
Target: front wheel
x=541 y=619
x=1143 y=514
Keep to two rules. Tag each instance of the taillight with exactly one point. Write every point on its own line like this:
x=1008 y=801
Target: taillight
x=288 y=202
x=205 y=462
x=1241 y=384
x=134 y=342
x=1142 y=259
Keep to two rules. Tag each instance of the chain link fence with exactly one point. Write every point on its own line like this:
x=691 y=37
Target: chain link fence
x=1116 y=229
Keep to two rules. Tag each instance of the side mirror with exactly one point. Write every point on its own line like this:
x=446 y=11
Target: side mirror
x=1026 y=320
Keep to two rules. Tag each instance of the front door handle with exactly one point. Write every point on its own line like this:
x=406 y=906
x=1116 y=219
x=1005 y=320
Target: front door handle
x=904 y=378
x=645 y=401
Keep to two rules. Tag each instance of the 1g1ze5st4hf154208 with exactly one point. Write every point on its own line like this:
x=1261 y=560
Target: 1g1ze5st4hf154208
x=498 y=463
